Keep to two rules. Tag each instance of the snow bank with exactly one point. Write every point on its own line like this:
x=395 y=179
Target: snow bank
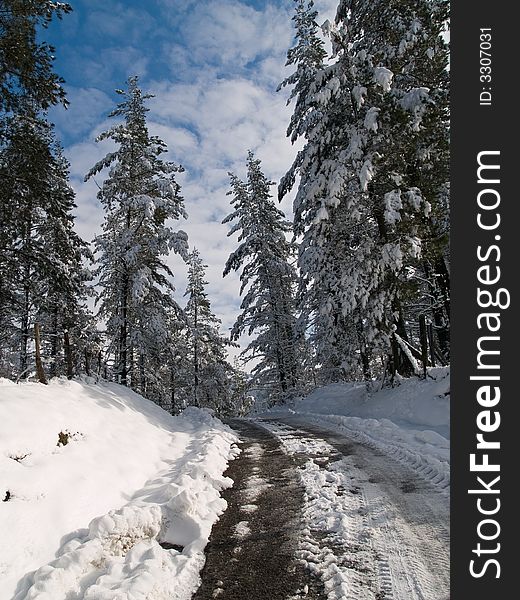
x=414 y=403
x=409 y=422
x=123 y=510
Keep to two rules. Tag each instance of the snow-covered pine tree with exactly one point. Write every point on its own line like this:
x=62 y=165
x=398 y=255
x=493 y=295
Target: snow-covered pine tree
x=210 y=373
x=173 y=388
x=268 y=279
x=308 y=55
x=241 y=400
x=167 y=375
x=28 y=84
x=364 y=193
x=41 y=258
x=140 y=196
x=24 y=176
x=68 y=325
x=333 y=338
x=26 y=63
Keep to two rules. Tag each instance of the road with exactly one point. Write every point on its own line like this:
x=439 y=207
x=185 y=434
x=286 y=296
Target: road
x=315 y=515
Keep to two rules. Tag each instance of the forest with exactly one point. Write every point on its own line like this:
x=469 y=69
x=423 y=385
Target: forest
x=354 y=287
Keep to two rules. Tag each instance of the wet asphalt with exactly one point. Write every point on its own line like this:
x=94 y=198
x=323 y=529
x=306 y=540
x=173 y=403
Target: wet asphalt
x=251 y=551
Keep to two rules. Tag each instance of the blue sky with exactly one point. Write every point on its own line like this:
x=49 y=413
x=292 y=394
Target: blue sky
x=214 y=66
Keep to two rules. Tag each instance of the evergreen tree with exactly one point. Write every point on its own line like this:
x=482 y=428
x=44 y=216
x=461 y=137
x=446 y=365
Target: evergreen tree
x=308 y=55
x=31 y=180
x=167 y=367
x=41 y=258
x=267 y=277
x=241 y=401
x=174 y=369
x=373 y=166
x=63 y=312
x=26 y=64
x=210 y=372
x=140 y=195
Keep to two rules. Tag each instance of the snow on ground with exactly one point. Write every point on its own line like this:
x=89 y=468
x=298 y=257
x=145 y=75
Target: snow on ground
x=333 y=516
x=123 y=509
x=409 y=422
x=242 y=529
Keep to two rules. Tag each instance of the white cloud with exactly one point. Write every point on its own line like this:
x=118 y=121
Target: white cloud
x=116 y=19
x=232 y=33
x=83 y=114
x=217 y=101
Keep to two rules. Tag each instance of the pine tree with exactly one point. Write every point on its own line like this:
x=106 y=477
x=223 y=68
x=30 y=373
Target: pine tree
x=140 y=195
x=42 y=258
x=168 y=367
x=63 y=312
x=210 y=372
x=26 y=64
x=322 y=246
x=268 y=280
x=28 y=86
x=372 y=168
x=308 y=55
x=175 y=384
x=25 y=197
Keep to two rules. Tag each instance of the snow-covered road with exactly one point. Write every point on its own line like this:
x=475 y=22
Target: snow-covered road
x=372 y=528
x=315 y=514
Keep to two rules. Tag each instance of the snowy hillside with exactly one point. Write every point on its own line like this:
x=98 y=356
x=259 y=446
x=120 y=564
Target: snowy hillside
x=104 y=494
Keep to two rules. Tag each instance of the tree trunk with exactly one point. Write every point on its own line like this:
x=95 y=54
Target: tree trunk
x=431 y=342
x=68 y=354
x=363 y=352
x=142 y=374
x=24 y=333
x=443 y=280
x=87 y=361
x=54 y=343
x=440 y=283
x=122 y=367
x=401 y=363
x=195 y=355
x=24 y=320
x=281 y=371
x=442 y=330
x=39 y=365
x=424 y=343
x=172 y=391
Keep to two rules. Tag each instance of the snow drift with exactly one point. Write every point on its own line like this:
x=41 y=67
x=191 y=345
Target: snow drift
x=105 y=494
x=410 y=422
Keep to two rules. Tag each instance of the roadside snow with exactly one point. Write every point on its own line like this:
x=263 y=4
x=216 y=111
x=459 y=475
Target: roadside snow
x=413 y=403
x=86 y=520
x=409 y=422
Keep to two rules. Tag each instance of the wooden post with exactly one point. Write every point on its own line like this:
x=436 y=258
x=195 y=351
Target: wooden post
x=39 y=365
x=424 y=342
x=68 y=354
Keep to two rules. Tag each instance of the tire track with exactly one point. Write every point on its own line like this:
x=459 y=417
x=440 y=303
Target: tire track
x=399 y=520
